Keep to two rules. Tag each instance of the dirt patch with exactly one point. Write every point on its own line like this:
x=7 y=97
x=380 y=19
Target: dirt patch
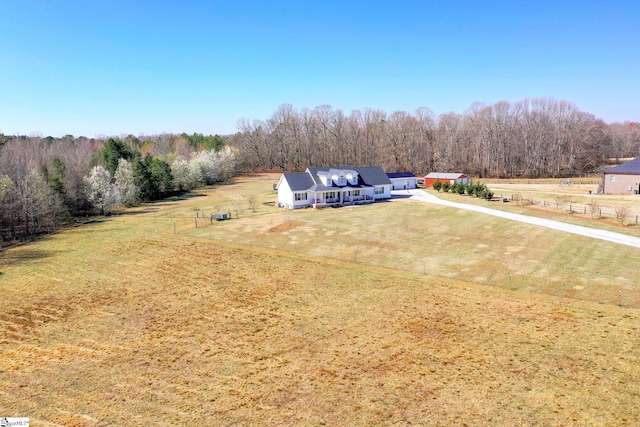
x=286 y=226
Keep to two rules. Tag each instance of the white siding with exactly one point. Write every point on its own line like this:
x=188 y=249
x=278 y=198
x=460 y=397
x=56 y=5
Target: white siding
x=306 y=201
x=399 y=183
x=386 y=193
x=285 y=195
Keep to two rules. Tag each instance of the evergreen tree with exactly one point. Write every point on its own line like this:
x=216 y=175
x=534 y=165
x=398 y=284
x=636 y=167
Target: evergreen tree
x=114 y=150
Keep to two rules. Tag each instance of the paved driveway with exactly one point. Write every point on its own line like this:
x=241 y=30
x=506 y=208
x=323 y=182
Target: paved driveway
x=609 y=236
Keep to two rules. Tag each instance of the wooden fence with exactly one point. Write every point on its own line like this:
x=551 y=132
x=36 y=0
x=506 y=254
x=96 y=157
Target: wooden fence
x=622 y=212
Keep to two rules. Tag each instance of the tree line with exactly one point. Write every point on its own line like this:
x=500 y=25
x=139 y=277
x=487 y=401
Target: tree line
x=529 y=138
x=49 y=182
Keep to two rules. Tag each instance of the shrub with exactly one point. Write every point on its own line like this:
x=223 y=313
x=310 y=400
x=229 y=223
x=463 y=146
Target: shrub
x=517 y=197
x=561 y=201
x=437 y=185
x=446 y=186
x=622 y=212
x=469 y=188
x=486 y=194
x=477 y=188
x=594 y=208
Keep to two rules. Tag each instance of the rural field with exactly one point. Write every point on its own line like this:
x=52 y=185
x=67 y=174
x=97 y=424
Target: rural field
x=398 y=313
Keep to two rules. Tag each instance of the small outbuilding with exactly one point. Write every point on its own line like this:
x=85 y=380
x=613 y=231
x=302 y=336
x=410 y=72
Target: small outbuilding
x=402 y=180
x=452 y=178
x=622 y=179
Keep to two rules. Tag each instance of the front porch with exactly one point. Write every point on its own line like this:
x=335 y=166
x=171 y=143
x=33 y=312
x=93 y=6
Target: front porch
x=342 y=197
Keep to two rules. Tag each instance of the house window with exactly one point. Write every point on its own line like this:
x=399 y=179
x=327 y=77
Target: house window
x=356 y=192
x=379 y=190
x=612 y=178
x=330 y=195
x=300 y=196
x=342 y=180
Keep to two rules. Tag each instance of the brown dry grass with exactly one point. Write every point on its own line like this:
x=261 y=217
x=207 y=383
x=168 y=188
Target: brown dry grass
x=121 y=322
x=444 y=242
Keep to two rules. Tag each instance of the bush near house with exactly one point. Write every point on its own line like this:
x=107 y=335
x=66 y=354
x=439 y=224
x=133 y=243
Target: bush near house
x=472 y=188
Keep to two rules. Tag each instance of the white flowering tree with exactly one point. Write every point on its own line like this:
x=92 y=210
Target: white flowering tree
x=184 y=176
x=101 y=192
x=125 y=184
x=228 y=163
x=211 y=166
x=206 y=166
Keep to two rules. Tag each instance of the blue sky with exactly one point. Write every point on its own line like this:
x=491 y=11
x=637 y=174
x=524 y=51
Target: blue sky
x=144 y=67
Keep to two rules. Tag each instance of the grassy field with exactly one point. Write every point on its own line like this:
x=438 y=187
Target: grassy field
x=396 y=313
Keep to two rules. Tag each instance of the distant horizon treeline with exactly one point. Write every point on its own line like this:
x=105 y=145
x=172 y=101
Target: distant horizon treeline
x=46 y=183
x=530 y=138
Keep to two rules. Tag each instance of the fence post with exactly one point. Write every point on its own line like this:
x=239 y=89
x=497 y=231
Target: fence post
x=196 y=219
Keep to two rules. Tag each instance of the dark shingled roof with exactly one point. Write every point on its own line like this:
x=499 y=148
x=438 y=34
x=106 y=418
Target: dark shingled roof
x=298 y=181
x=400 y=175
x=630 y=168
x=368 y=176
x=373 y=175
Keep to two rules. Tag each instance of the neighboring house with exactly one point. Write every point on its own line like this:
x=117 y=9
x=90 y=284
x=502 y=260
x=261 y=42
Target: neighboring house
x=402 y=180
x=337 y=186
x=622 y=179
x=452 y=178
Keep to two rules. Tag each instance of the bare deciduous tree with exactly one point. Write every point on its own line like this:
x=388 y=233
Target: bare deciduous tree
x=532 y=138
x=622 y=212
x=252 y=202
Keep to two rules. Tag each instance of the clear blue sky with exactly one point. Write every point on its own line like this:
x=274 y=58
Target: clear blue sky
x=112 y=67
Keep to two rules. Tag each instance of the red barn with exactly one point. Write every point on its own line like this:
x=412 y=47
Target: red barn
x=449 y=177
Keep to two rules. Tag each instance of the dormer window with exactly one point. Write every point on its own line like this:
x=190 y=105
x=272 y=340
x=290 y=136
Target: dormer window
x=342 y=180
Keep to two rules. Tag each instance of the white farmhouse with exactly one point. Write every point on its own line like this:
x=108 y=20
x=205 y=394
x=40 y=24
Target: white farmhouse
x=336 y=186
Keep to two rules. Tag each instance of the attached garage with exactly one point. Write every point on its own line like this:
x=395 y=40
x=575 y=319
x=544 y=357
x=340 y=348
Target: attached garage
x=402 y=180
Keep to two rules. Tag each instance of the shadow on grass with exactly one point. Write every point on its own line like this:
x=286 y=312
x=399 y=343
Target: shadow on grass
x=179 y=197
x=140 y=211
x=23 y=254
x=155 y=205
x=95 y=221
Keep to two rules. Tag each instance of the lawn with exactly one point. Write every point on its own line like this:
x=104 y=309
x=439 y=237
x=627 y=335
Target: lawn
x=442 y=242
x=395 y=313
